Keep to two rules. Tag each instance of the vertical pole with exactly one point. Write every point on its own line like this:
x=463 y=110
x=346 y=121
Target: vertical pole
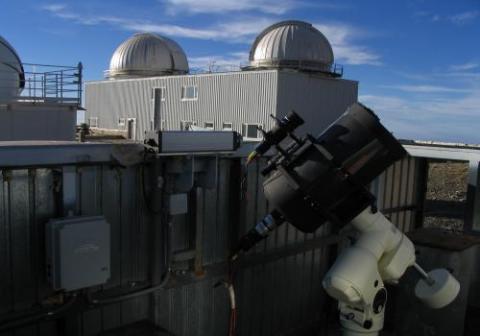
x=80 y=82
x=472 y=215
x=420 y=188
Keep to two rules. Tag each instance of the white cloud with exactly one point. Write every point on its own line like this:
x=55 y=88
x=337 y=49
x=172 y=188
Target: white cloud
x=444 y=119
x=426 y=88
x=345 y=49
x=465 y=17
x=231 y=62
x=242 y=30
x=221 y=6
x=465 y=66
x=459 y=19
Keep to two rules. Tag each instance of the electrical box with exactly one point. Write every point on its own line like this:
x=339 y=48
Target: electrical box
x=78 y=252
x=194 y=141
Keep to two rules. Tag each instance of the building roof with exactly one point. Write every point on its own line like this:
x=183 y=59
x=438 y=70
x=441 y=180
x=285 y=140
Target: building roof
x=292 y=44
x=146 y=55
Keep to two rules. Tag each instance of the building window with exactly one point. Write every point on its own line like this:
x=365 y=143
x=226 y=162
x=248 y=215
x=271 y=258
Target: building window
x=189 y=92
x=93 y=121
x=121 y=122
x=251 y=131
x=186 y=124
x=227 y=126
x=209 y=125
x=159 y=94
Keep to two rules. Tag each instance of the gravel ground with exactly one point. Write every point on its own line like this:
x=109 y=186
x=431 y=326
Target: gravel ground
x=446 y=195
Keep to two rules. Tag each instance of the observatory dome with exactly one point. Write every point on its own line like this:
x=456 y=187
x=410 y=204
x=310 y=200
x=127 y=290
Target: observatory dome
x=294 y=45
x=12 y=76
x=146 y=55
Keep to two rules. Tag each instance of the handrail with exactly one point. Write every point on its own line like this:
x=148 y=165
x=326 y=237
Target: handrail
x=46 y=83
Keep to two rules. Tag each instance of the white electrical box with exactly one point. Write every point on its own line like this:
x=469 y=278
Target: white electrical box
x=78 y=252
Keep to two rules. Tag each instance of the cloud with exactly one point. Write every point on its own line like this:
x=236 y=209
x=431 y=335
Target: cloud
x=276 y=7
x=465 y=66
x=342 y=38
x=219 y=63
x=242 y=30
x=443 y=119
x=273 y=7
x=426 y=88
x=465 y=17
x=458 y=19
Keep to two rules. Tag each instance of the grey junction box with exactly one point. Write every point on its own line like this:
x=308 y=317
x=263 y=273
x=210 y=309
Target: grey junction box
x=78 y=252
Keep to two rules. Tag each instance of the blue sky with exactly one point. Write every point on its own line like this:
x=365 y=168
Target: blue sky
x=417 y=61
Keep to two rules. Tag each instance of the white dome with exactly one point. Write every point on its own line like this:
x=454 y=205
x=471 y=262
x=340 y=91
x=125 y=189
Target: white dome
x=145 y=55
x=12 y=77
x=292 y=44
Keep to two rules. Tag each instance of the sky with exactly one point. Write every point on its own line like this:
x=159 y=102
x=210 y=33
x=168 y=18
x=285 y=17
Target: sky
x=417 y=61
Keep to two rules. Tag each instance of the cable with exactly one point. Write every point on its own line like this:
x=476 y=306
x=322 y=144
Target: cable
x=141 y=292
x=21 y=321
x=161 y=285
x=146 y=199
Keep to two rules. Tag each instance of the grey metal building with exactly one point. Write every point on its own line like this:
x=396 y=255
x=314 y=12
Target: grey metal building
x=37 y=102
x=291 y=67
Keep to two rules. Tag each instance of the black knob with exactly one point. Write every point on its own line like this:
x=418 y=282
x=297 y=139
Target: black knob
x=367 y=324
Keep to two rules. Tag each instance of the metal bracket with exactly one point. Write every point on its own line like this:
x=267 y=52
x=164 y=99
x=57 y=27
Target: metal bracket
x=190 y=171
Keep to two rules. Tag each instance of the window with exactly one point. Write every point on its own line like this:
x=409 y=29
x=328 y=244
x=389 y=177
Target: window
x=185 y=125
x=189 y=92
x=93 y=121
x=159 y=94
x=121 y=122
x=227 y=126
x=209 y=125
x=251 y=131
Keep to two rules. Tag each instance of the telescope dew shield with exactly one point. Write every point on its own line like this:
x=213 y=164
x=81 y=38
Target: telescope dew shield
x=325 y=178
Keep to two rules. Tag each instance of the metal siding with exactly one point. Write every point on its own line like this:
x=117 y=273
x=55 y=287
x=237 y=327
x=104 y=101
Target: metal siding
x=319 y=100
x=238 y=97
x=395 y=190
x=267 y=304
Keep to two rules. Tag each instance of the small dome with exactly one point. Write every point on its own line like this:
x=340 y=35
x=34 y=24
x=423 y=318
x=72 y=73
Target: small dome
x=146 y=55
x=12 y=76
x=291 y=44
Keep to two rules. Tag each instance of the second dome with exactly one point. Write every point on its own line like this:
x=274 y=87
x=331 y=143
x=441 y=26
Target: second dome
x=146 y=55
x=292 y=44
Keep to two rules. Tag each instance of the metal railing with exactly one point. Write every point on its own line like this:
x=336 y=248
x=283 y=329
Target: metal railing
x=42 y=83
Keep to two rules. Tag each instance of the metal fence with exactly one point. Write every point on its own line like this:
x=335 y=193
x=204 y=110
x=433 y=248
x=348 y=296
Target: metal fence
x=278 y=283
x=41 y=83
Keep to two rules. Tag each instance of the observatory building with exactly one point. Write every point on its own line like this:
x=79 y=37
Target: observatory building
x=37 y=102
x=291 y=67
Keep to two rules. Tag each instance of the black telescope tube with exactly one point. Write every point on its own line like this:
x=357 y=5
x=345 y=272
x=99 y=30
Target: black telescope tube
x=284 y=126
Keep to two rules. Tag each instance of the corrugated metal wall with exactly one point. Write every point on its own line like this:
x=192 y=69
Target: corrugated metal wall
x=278 y=283
x=318 y=99
x=235 y=97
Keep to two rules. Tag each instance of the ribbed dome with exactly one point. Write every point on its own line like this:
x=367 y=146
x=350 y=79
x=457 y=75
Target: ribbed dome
x=292 y=44
x=12 y=77
x=145 y=55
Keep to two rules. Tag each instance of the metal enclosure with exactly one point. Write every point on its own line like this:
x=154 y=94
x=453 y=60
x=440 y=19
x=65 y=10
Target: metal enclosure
x=207 y=207
x=223 y=101
x=29 y=121
x=78 y=252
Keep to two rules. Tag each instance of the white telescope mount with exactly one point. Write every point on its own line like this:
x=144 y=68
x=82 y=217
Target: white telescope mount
x=381 y=255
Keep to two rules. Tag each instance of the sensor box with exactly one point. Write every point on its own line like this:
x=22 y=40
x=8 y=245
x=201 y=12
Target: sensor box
x=78 y=252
